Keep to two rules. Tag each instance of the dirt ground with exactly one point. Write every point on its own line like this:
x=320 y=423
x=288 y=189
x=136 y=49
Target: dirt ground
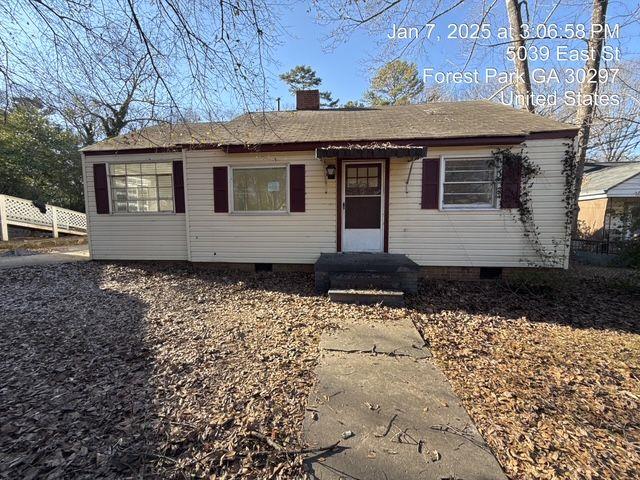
x=40 y=243
x=147 y=371
x=548 y=367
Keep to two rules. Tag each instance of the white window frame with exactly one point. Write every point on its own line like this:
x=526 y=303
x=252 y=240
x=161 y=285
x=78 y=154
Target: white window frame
x=232 y=208
x=138 y=214
x=472 y=206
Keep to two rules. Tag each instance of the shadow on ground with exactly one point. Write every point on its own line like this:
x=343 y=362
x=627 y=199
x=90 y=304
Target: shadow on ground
x=76 y=397
x=143 y=370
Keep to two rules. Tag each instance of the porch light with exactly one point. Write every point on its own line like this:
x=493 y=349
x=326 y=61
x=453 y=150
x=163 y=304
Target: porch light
x=331 y=172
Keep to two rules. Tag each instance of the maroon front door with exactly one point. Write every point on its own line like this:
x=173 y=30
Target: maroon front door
x=362 y=207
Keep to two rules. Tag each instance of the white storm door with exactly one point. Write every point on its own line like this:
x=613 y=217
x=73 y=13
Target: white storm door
x=362 y=207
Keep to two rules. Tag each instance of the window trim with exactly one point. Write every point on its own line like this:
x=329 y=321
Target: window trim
x=138 y=214
x=477 y=207
x=232 y=207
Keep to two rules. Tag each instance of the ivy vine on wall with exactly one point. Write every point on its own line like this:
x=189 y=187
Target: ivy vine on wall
x=548 y=256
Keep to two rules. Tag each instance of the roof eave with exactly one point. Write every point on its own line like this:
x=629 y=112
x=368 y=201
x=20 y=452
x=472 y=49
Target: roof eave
x=468 y=140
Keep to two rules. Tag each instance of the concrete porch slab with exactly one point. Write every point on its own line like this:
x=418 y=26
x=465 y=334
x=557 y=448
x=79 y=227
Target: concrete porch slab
x=397 y=410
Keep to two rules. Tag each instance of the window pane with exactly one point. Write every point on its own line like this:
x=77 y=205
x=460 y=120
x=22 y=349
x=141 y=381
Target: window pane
x=477 y=176
x=166 y=205
x=165 y=193
x=148 y=205
x=260 y=189
x=373 y=172
x=117 y=169
x=362 y=172
x=119 y=182
x=119 y=195
x=132 y=205
x=120 y=207
x=133 y=169
x=132 y=193
x=149 y=181
x=468 y=188
x=164 y=168
x=467 y=199
x=148 y=168
x=148 y=193
x=133 y=181
x=351 y=172
x=164 y=181
x=470 y=164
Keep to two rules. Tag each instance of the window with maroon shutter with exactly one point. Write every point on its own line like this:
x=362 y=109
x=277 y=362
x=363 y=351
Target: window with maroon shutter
x=101 y=187
x=430 y=183
x=178 y=187
x=296 y=188
x=220 y=190
x=511 y=181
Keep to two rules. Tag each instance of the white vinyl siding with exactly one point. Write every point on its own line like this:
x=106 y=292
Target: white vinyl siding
x=477 y=238
x=285 y=237
x=482 y=238
x=133 y=236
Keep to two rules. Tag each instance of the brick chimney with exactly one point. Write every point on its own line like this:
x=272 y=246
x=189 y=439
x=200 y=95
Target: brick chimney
x=308 y=100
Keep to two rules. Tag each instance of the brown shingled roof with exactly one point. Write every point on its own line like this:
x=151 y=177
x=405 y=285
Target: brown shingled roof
x=405 y=122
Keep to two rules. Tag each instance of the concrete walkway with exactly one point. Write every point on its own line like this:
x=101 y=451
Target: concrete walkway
x=72 y=253
x=394 y=412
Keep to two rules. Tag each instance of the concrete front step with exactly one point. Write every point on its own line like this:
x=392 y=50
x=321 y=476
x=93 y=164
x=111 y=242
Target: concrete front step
x=388 y=298
x=366 y=281
x=361 y=271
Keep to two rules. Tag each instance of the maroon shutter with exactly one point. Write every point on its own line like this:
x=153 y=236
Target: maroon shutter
x=430 y=183
x=178 y=186
x=220 y=190
x=511 y=180
x=101 y=187
x=296 y=188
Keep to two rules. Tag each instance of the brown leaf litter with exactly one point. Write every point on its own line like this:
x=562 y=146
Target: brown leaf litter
x=141 y=371
x=547 y=367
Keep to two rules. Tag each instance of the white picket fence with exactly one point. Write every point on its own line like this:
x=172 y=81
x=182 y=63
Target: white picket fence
x=20 y=212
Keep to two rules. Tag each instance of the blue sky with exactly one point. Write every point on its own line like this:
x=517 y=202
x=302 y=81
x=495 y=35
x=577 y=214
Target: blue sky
x=344 y=68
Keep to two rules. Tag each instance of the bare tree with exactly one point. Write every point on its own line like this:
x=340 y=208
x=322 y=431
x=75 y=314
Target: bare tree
x=588 y=88
x=521 y=62
x=615 y=130
x=197 y=56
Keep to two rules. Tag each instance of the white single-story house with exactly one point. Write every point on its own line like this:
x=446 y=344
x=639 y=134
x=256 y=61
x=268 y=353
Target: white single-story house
x=610 y=201
x=278 y=189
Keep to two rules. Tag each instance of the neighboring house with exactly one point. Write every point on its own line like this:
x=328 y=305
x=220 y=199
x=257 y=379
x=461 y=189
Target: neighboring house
x=283 y=187
x=610 y=202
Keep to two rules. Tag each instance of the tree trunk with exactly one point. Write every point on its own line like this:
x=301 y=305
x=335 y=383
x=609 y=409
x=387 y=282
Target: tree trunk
x=523 y=80
x=589 y=86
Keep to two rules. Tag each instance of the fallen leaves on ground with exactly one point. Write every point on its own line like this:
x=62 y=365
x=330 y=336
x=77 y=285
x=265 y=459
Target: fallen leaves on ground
x=548 y=367
x=134 y=371
x=143 y=371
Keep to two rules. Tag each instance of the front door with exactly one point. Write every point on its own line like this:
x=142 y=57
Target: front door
x=362 y=201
